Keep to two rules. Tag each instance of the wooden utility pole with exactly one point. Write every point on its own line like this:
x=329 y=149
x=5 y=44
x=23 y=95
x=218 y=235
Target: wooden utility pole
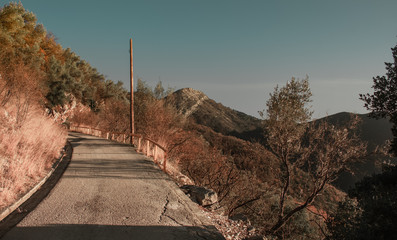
x=132 y=93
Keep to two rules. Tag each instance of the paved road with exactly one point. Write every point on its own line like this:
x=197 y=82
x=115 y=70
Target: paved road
x=110 y=192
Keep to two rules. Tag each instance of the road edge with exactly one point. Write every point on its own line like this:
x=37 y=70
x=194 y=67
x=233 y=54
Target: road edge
x=17 y=211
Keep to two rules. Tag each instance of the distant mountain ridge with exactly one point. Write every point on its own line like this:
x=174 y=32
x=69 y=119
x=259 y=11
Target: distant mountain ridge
x=196 y=105
x=374 y=132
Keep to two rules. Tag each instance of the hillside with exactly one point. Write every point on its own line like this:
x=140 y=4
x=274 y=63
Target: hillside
x=375 y=132
x=245 y=175
x=205 y=111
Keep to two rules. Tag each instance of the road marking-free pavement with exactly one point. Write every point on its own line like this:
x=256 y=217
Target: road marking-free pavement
x=109 y=191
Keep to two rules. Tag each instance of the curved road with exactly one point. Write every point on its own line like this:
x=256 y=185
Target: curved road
x=111 y=192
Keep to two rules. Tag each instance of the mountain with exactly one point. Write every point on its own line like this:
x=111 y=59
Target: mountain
x=205 y=111
x=374 y=132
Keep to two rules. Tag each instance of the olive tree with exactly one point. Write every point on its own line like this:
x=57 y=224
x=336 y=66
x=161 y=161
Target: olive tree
x=318 y=148
x=383 y=101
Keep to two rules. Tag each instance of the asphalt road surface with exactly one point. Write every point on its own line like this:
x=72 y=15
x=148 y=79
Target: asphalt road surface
x=111 y=192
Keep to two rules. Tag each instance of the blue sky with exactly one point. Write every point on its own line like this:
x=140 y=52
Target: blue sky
x=236 y=52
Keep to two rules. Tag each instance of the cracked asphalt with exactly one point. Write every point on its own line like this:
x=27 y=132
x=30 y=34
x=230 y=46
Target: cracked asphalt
x=109 y=191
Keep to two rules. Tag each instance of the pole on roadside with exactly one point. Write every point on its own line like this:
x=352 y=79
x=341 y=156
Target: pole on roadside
x=132 y=94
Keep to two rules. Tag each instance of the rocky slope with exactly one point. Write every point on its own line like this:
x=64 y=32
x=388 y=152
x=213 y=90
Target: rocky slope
x=205 y=111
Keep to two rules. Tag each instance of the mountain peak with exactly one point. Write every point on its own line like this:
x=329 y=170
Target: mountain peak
x=191 y=94
x=187 y=100
x=196 y=105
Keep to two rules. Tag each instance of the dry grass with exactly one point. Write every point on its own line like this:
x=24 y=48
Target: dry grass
x=26 y=152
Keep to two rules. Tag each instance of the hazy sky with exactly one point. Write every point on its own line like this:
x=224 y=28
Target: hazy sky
x=236 y=52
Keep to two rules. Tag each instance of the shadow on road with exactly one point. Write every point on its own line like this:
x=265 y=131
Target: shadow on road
x=102 y=158
x=102 y=232
x=117 y=169
x=76 y=139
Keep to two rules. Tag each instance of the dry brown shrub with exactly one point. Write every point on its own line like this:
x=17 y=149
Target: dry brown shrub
x=84 y=117
x=26 y=152
x=159 y=122
x=205 y=165
x=208 y=167
x=115 y=116
x=21 y=85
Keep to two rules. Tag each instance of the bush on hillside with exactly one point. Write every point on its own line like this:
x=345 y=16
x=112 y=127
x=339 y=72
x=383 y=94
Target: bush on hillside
x=29 y=140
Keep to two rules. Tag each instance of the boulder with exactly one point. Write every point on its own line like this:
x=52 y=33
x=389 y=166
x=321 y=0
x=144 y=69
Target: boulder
x=203 y=196
x=240 y=217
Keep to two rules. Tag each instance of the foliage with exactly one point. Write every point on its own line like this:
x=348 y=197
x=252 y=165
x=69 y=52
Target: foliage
x=23 y=41
x=370 y=211
x=207 y=166
x=20 y=36
x=26 y=151
x=115 y=116
x=382 y=103
x=321 y=150
x=160 y=92
x=14 y=79
x=153 y=117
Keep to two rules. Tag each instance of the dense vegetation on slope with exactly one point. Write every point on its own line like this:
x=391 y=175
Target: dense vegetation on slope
x=29 y=140
x=64 y=74
x=370 y=212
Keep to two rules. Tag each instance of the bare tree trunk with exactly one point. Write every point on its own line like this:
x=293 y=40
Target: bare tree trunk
x=243 y=204
x=284 y=189
x=283 y=219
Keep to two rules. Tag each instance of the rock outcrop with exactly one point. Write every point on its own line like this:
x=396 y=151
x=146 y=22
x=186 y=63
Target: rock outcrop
x=196 y=105
x=201 y=195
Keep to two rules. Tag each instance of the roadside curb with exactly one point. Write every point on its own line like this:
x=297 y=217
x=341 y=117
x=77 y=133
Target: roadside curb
x=17 y=211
